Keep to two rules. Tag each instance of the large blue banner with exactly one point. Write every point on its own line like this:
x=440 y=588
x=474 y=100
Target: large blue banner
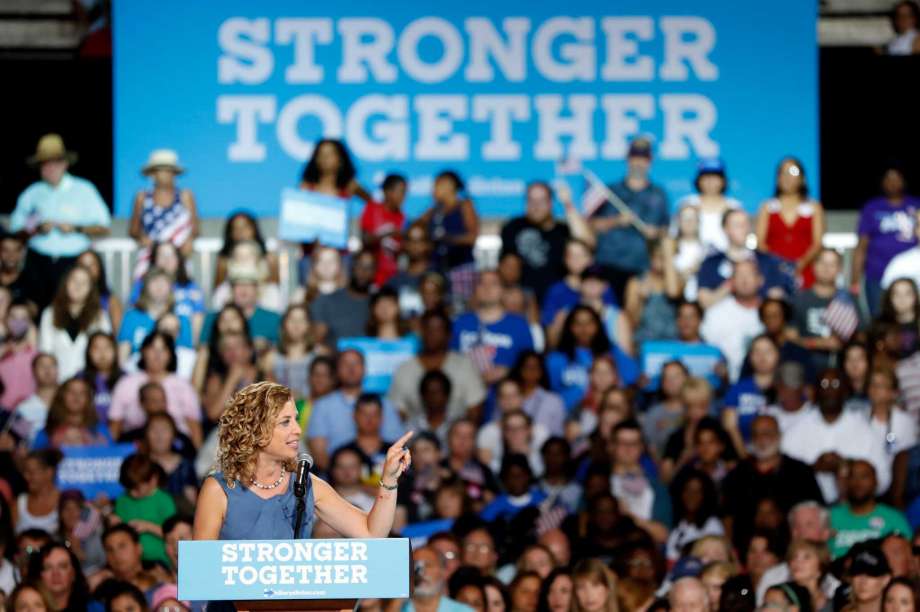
x=499 y=91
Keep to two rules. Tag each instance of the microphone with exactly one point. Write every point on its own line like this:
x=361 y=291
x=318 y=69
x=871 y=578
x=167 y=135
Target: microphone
x=301 y=476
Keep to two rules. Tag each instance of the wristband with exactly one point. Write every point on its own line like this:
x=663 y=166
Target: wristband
x=388 y=488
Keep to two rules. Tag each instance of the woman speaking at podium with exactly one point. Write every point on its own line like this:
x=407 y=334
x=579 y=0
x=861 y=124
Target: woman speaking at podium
x=251 y=496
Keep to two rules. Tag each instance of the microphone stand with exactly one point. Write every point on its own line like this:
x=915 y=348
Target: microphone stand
x=300 y=492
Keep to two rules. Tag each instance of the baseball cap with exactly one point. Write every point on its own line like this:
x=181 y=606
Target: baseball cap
x=686 y=567
x=640 y=147
x=870 y=562
x=710 y=165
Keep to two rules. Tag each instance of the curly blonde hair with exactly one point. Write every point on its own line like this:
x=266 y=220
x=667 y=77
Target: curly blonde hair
x=246 y=427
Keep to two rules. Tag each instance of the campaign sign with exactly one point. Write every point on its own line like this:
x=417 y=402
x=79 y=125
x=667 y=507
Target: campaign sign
x=219 y=570
x=381 y=358
x=93 y=469
x=498 y=91
x=701 y=359
x=307 y=216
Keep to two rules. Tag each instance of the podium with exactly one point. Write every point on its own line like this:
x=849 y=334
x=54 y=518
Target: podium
x=294 y=574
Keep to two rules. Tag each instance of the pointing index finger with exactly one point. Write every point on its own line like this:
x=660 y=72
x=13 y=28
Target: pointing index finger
x=402 y=441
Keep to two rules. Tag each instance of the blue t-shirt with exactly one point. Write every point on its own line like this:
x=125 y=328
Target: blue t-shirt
x=137 y=324
x=507 y=337
x=503 y=507
x=748 y=400
x=560 y=296
x=262 y=324
x=624 y=247
x=188 y=299
x=569 y=377
x=332 y=418
x=717 y=268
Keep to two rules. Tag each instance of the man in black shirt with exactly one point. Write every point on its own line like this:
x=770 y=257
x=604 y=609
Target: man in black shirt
x=765 y=473
x=539 y=240
x=12 y=256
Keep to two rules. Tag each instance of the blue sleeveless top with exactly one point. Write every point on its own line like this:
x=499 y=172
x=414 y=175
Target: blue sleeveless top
x=249 y=517
x=449 y=224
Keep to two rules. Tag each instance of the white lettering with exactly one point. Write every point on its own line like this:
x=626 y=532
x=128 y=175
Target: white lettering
x=287 y=574
x=228 y=553
x=303 y=551
x=359 y=573
x=341 y=552
x=247 y=112
x=359 y=551
x=451 y=57
x=436 y=139
x=390 y=138
x=695 y=51
x=244 y=57
x=552 y=126
x=284 y=552
x=499 y=110
x=366 y=42
x=295 y=110
x=579 y=57
x=323 y=551
x=322 y=574
x=264 y=552
x=695 y=128
x=510 y=54
x=248 y=575
x=229 y=573
x=623 y=62
x=247 y=549
x=622 y=113
x=304 y=33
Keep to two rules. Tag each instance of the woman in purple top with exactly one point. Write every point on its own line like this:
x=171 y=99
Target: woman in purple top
x=887 y=227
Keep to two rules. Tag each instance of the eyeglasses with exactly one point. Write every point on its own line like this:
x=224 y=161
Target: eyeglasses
x=480 y=548
x=830 y=383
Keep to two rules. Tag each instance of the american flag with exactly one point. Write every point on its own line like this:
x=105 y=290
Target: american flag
x=483 y=356
x=594 y=196
x=841 y=316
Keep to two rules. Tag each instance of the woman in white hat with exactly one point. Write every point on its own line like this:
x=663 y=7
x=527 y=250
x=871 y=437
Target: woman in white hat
x=163 y=213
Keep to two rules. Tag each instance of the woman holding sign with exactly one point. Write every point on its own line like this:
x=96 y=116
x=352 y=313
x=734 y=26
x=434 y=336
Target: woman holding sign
x=251 y=496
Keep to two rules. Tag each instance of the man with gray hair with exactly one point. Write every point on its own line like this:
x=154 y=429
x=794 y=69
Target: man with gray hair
x=430 y=580
x=791 y=396
x=689 y=595
x=810 y=521
x=765 y=473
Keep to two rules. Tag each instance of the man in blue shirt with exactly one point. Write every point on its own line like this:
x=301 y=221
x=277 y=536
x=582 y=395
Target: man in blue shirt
x=621 y=246
x=332 y=422
x=430 y=584
x=491 y=337
x=60 y=214
x=244 y=293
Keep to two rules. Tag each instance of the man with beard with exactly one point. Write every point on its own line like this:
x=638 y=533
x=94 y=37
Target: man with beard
x=430 y=582
x=539 y=240
x=765 y=473
x=827 y=437
x=343 y=313
x=859 y=517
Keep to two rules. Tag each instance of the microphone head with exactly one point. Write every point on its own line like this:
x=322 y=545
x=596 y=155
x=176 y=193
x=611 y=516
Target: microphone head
x=306 y=458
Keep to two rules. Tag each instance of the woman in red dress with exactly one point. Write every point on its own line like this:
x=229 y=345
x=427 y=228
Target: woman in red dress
x=790 y=224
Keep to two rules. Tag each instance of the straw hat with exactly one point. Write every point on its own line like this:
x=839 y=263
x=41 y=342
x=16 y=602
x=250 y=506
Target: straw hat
x=51 y=148
x=162 y=158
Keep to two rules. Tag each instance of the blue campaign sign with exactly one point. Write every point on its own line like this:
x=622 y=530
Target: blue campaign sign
x=381 y=358
x=499 y=91
x=307 y=216
x=293 y=569
x=93 y=469
x=701 y=359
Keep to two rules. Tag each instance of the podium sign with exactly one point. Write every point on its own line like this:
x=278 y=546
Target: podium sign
x=218 y=570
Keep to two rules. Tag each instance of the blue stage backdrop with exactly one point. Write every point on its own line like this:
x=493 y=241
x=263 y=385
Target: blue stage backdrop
x=499 y=91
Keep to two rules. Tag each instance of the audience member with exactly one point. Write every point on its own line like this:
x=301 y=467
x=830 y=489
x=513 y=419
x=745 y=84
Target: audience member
x=382 y=226
x=344 y=313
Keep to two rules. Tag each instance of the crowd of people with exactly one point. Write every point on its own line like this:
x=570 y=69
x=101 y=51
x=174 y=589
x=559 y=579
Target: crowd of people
x=635 y=410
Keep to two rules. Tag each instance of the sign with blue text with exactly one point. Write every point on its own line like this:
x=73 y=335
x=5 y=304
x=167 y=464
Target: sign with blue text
x=499 y=91
x=93 y=469
x=220 y=570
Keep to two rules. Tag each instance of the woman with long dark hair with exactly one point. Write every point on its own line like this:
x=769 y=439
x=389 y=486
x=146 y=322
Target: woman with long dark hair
x=74 y=314
x=583 y=340
x=695 y=502
x=102 y=371
x=188 y=298
x=242 y=226
x=453 y=226
x=544 y=406
x=58 y=569
x=111 y=303
x=37 y=507
x=901 y=309
x=791 y=224
x=72 y=419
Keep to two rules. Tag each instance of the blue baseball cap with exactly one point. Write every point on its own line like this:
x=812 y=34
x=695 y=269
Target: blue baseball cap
x=710 y=165
x=686 y=566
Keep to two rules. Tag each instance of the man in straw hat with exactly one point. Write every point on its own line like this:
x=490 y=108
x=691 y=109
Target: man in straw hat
x=59 y=214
